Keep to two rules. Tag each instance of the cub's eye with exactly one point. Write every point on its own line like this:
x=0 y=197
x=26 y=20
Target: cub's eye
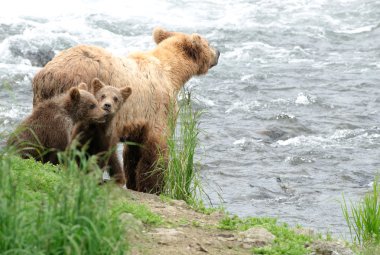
x=115 y=99
x=103 y=96
x=92 y=106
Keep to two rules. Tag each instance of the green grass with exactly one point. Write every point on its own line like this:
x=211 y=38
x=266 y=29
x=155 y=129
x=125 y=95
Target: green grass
x=181 y=178
x=363 y=219
x=46 y=209
x=25 y=147
x=286 y=241
x=139 y=211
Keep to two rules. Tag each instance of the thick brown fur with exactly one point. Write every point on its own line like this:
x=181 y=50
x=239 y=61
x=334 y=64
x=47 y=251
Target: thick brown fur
x=142 y=154
x=155 y=77
x=47 y=130
x=99 y=137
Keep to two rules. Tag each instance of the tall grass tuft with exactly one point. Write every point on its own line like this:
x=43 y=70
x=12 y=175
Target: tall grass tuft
x=363 y=218
x=47 y=211
x=181 y=178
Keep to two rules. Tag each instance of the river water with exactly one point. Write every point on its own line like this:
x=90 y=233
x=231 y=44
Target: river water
x=291 y=118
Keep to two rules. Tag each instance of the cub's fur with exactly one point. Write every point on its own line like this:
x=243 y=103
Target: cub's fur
x=47 y=130
x=100 y=137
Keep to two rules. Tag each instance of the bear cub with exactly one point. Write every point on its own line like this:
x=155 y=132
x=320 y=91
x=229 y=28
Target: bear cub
x=100 y=138
x=48 y=129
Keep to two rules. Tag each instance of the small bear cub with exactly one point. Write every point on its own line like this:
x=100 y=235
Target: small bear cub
x=100 y=138
x=48 y=129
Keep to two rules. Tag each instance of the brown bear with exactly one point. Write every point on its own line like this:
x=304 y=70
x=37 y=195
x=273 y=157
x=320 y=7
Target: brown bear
x=48 y=129
x=99 y=137
x=155 y=76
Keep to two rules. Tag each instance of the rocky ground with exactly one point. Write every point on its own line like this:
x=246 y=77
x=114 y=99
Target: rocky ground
x=186 y=231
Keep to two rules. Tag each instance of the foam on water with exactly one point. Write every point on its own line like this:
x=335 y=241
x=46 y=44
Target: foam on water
x=357 y=30
x=242 y=106
x=338 y=139
x=241 y=141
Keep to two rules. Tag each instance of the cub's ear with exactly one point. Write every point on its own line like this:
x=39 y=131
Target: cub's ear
x=126 y=92
x=160 y=34
x=83 y=86
x=96 y=85
x=74 y=94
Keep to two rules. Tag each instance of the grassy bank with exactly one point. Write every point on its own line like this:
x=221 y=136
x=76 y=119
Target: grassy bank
x=287 y=240
x=46 y=209
x=363 y=220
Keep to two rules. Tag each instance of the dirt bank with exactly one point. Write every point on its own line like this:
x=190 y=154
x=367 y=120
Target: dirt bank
x=185 y=231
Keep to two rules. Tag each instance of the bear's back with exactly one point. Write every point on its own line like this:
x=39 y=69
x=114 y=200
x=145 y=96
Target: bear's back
x=50 y=124
x=82 y=63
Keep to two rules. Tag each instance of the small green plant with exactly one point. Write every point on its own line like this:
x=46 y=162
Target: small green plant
x=139 y=211
x=286 y=241
x=181 y=179
x=363 y=218
x=164 y=198
x=196 y=223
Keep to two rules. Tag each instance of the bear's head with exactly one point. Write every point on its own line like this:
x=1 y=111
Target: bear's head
x=109 y=98
x=83 y=106
x=194 y=46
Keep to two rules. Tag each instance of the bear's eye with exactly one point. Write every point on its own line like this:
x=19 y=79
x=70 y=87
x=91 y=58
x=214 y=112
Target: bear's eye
x=115 y=99
x=103 y=96
x=92 y=106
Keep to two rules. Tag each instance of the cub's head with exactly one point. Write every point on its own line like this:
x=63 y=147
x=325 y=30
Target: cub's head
x=84 y=106
x=193 y=46
x=109 y=98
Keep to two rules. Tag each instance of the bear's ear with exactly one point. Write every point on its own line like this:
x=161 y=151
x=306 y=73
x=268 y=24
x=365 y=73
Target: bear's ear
x=74 y=94
x=83 y=86
x=96 y=85
x=192 y=46
x=196 y=39
x=160 y=34
x=126 y=92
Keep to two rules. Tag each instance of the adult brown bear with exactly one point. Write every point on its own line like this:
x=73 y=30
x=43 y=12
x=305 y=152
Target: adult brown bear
x=155 y=77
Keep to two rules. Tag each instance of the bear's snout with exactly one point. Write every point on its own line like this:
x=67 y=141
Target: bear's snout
x=107 y=107
x=217 y=54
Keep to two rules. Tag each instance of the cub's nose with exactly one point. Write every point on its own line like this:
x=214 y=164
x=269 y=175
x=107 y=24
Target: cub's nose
x=107 y=107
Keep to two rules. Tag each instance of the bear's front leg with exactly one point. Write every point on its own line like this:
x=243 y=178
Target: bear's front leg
x=131 y=155
x=152 y=164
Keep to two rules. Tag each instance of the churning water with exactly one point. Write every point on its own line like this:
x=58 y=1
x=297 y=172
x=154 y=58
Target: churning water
x=292 y=110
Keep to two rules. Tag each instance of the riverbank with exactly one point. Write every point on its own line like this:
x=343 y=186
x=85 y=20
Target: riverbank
x=185 y=231
x=53 y=203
